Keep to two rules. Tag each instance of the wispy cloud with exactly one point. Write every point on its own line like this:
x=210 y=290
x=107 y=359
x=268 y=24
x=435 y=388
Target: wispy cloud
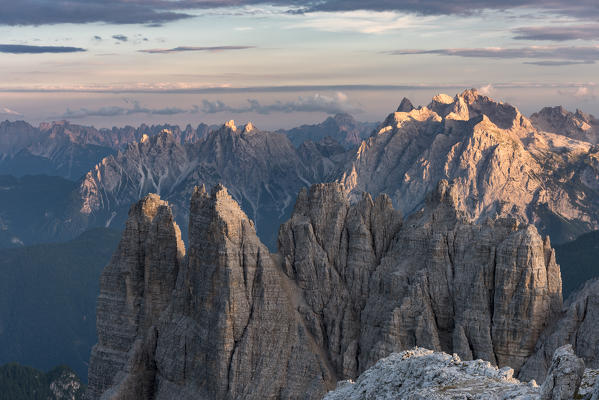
x=572 y=54
x=486 y=90
x=136 y=108
x=120 y=38
x=192 y=89
x=191 y=48
x=27 y=49
x=339 y=102
x=550 y=63
x=8 y=111
x=558 y=33
x=364 y=21
x=582 y=93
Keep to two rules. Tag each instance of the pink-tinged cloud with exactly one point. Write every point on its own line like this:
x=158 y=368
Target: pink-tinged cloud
x=192 y=48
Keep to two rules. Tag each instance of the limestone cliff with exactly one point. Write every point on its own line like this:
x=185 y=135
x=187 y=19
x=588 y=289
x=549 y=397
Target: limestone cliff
x=135 y=288
x=352 y=283
x=502 y=165
x=578 y=326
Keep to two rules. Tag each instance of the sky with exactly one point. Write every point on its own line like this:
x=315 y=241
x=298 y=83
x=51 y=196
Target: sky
x=282 y=63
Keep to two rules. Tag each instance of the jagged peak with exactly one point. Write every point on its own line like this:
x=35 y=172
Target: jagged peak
x=405 y=105
x=219 y=206
x=469 y=95
x=443 y=98
x=148 y=206
x=231 y=125
x=199 y=190
x=249 y=127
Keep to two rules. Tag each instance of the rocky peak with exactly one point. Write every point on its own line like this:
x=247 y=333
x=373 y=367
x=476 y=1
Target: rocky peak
x=405 y=105
x=135 y=288
x=476 y=142
x=249 y=127
x=342 y=127
x=578 y=125
x=231 y=125
x=470 y=104
x=351 y=284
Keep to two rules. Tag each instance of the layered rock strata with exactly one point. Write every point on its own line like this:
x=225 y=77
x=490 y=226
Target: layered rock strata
x=578 y=325
x=352 y=283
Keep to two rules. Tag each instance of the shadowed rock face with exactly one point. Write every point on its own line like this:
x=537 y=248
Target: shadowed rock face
x=578 y=325
x=578 y=125
x=351 y=284
x=135 y=288
x=263 y=170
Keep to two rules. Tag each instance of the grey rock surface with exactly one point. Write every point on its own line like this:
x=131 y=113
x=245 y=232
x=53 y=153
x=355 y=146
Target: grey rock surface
x=578 y=325
x=352 y=283
x=577 y=125
x=134 y=289
x=263 y=169
x=421 y=374
x=564 y=375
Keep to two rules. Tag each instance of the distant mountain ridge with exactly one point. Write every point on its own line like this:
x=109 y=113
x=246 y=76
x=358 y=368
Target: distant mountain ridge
x=577 y=125
x=341 y=127
x=503 y=163
x=69 y=150
x=264 y=168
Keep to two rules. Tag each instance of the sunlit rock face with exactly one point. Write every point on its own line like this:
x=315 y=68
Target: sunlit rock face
x=351 y=283
x=500 y=163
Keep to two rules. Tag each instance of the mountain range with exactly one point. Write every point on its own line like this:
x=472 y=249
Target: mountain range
x=494 y=164
x=350 y=284
x=505 y=164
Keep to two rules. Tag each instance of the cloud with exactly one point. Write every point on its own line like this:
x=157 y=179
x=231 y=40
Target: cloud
x=581 y=93
x=190 y=48
x=120 y=38
x=372 y=22
x=155 y=12
x=486 y=90
x=40 y=12
x=27 y=49
x=558 y=33
x=555 y=54
x=113 y=111
x=8 y=111
x=337 y=103
x=550 y=63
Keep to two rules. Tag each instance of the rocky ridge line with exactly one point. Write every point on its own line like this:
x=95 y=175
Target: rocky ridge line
x=352 y=283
